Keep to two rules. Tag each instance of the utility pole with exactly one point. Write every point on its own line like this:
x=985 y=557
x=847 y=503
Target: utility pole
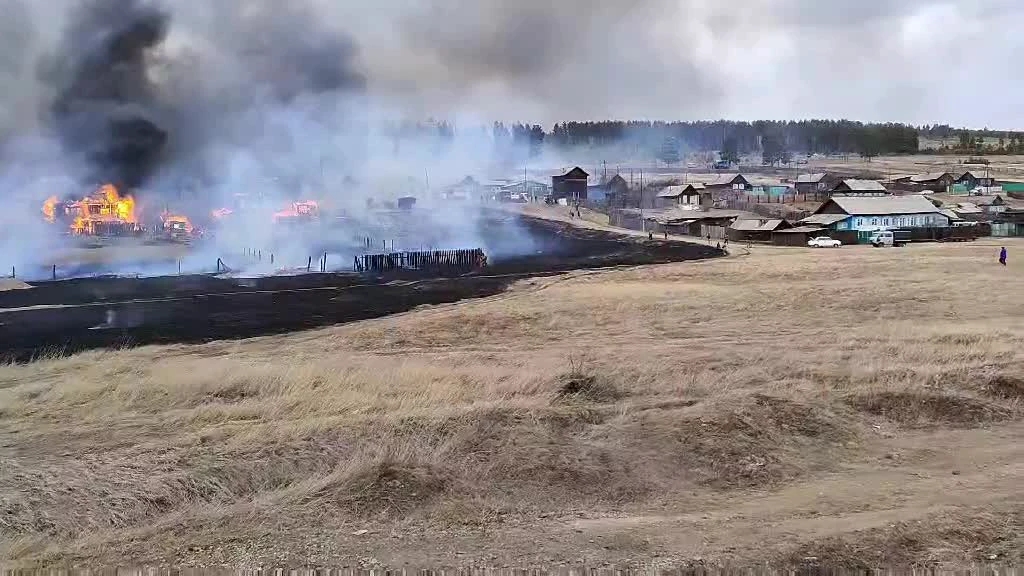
x=643 y=223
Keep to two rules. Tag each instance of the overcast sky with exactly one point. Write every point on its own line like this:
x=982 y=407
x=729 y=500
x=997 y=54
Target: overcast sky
x=918 y=61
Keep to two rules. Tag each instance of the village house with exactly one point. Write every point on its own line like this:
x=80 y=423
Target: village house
x=727 y=182
x=617 y=192
x=688 y=194
x=933 y=181
x=572 y=185
x=815 y=183
x=971 y=180
x=878 y=213
x=991 y=204
x=859 y=188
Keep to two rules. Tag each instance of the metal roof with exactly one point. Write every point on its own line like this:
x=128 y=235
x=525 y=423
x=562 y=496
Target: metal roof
x=881 y=205
x=928 y=177
x=950 y=214
x=973 y=174
x=756 y=225
x=801 y=230
x=865 y=185
x=810 y=178
x=825 y=219
x=722 y=179
x=677 y=191
x=967 y=208
x=682 y=213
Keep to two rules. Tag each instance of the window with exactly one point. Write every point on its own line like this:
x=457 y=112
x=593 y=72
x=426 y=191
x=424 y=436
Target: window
x=885 y=222
x=874 y=221
x=860 y=222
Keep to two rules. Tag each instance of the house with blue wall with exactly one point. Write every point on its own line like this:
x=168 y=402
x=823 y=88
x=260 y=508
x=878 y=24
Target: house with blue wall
x=871 y=213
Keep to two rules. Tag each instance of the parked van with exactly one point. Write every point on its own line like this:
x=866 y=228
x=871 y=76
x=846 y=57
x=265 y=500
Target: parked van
x=889 y=238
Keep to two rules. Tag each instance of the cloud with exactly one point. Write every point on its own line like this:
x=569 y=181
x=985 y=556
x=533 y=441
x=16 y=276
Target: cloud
x=884 y=60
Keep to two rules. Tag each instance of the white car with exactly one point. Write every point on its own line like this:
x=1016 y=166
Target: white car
x=824 y=242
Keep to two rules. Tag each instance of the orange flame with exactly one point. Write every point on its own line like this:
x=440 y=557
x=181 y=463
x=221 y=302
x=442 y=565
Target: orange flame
x=50 y=209
x=177 y=224
x=104 y=207
x=308 y=209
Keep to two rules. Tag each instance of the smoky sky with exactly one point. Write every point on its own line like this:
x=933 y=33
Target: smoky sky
x=132 y=89
x=212 y=63
x=877 y=60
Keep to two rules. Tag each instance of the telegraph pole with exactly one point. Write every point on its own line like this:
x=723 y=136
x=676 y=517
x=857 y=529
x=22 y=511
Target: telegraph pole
x=643 y=223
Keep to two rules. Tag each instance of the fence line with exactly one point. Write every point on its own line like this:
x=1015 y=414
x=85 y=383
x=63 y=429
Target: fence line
x=434 y=260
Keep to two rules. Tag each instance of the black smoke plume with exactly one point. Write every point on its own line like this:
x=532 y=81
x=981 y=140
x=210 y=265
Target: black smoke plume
x=132 y=108
x=106 y=107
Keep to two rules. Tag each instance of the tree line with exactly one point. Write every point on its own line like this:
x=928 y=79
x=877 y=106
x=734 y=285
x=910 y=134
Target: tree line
x=775 y=141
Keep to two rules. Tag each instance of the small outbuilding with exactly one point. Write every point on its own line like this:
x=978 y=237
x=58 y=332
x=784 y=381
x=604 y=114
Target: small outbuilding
x=797 y=236
x=756 y=230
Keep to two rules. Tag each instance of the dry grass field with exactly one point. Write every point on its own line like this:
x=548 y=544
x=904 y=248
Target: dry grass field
x=859 y=406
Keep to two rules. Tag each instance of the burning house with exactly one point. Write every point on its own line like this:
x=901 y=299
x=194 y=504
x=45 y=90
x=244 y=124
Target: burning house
x=103 y=213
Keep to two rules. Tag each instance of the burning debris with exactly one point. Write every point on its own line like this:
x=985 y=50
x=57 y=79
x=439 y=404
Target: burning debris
x=178 y=227
x=298 y=212
x=50 y=209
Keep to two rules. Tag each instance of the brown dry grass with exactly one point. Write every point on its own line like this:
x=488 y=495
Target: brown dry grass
x=489 y=424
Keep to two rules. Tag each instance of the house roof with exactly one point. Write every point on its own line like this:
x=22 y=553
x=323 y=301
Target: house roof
x=882 y=205
x=950 y=214
x=864 y=185
x=810 y=178
x=973 y=174
x=677 y=191
x=576 y=173
x=967 y=208
x=756 y=225
x=928 y=177
x=825 y=219
x=801 y=230
x=722 y=179
x=676 y=214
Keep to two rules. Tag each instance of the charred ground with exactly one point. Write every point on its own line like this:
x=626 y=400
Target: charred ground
x=85 y=313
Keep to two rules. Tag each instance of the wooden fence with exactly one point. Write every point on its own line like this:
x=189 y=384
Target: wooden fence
x=437 y=261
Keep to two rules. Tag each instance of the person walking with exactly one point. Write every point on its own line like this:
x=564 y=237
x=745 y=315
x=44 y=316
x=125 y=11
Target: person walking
x=1002 y=256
